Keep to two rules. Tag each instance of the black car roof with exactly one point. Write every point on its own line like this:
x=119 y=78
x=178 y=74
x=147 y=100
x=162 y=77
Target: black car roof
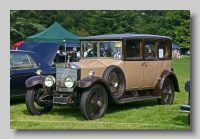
x=124 y=36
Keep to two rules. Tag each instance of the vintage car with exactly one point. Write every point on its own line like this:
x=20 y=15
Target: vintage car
x=115 y=67
x=185 y=108
x=24 y=63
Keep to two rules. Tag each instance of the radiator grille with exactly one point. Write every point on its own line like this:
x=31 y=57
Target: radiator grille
x=61 y=74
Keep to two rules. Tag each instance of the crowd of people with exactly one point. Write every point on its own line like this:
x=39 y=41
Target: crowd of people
x=70 y=54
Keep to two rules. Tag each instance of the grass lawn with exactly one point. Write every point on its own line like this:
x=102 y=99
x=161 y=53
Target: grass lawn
x=137 y=115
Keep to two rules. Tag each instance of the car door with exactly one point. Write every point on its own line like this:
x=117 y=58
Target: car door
x=150 y=69
x=133 y=65
x=150 y=65
x=12 y=89
x=21 y=70
x=133 y=74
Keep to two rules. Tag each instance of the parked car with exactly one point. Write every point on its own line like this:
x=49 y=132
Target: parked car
x=25 y=64
x=115 y=67
x=185 y=108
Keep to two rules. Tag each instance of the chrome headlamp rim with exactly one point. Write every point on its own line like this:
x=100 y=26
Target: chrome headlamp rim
x=69 y=83
x=49 y=81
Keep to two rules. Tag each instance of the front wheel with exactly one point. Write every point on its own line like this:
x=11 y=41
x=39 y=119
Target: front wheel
x=35 y=104
x=94 y=101
x=167 y=95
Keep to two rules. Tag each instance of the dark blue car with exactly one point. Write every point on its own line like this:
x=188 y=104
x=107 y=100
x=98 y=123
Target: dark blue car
x=26 y=61
x=185 y=108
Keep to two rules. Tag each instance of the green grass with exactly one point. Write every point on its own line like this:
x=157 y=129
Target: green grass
x=137 y=115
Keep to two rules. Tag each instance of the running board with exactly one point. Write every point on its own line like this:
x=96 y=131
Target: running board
x=132 y=99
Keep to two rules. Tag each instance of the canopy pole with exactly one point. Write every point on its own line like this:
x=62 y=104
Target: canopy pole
x=65 y=51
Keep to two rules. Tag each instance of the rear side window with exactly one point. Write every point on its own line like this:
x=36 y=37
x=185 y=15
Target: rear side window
x=133 y=49
x=150 y=49
x=163 y=50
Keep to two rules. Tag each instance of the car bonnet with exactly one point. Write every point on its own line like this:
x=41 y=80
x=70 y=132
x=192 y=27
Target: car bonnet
x=46 y=50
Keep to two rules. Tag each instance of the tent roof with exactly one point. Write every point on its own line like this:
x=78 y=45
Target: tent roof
x=175 y=46
x=55 y=33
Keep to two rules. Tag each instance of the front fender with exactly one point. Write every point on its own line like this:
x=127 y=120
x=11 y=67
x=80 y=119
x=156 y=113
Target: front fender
x=36 y=80
x=89 y=81
x=167 y=74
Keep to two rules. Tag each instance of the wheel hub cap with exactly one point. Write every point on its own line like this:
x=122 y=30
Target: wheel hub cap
x=115 y=83
x=99 y=103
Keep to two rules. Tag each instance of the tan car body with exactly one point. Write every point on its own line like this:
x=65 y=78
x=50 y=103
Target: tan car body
x=135 y=78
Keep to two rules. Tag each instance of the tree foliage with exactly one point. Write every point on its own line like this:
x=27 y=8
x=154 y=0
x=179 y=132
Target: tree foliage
x=172 y=23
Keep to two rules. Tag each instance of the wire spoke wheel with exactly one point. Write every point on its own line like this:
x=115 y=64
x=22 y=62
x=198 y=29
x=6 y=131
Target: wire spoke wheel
x=167 y=93
x=94 y=102
x=115 y=78
x=35 y=104
x=116 y=83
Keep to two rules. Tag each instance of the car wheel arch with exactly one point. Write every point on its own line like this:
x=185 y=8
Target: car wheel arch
x=170 y=75
x=95 y=80
x=36 y=81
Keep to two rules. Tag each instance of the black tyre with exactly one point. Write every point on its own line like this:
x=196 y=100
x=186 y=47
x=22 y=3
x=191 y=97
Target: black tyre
x=35 y=105
x=94 y=102
x=115 y=77
x=167 y=95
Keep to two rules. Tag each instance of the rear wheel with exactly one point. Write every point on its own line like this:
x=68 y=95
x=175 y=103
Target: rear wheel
x=35 y=104
x=94 y=101
x=167 y=96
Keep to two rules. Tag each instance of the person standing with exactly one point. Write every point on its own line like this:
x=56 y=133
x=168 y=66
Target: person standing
x=175 y=53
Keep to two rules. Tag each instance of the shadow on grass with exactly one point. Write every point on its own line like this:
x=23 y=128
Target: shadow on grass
x=113 y=107
x=66 y=111
x=17 y=100
x=184 y=118
x=61 y=111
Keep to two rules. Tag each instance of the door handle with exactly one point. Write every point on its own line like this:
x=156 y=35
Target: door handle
x=144 y=63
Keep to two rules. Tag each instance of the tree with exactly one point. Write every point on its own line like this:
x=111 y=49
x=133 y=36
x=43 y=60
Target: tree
x=172 y=23
x=21 y=25
x=176 y=24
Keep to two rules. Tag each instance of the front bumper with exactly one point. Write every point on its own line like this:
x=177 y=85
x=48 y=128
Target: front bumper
x=184 y=108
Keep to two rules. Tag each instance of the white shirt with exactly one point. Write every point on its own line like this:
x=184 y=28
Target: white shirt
x=86 y=52
x=63 y=53
x=78 y=54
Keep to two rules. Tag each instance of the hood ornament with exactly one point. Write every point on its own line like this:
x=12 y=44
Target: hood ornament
x=68 y=64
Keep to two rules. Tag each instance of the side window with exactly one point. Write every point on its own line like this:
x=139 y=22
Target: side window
x=110 y=49
x=133 y=49
x=106 y=49
x=149 y=49
x=19 y=61
x=11 y=60
x=163 y=50
x=89 y=49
